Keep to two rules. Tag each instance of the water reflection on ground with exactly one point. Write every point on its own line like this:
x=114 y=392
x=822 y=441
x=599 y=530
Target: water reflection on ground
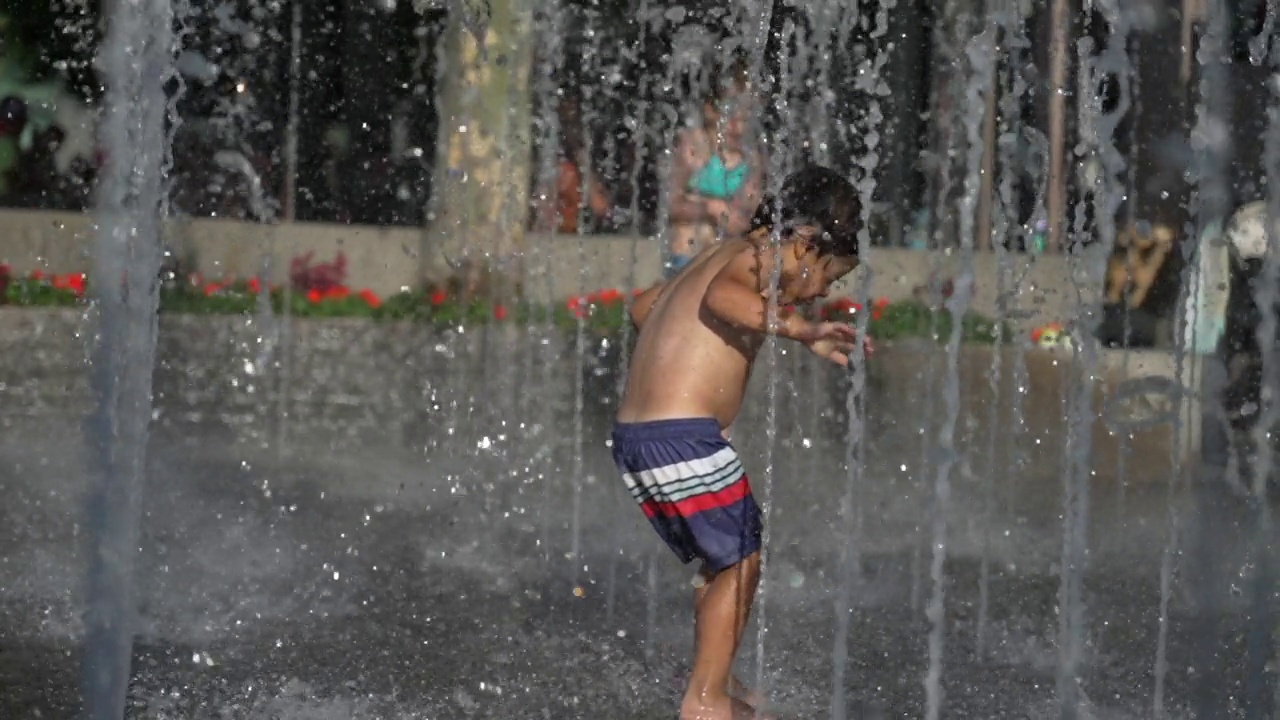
x=385 y=579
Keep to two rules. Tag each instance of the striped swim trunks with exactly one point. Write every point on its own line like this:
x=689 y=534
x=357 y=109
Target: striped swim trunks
x=690 y=483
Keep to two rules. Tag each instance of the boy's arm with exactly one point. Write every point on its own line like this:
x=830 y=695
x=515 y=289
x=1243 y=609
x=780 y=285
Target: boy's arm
x=643 y=303
x=735 y=297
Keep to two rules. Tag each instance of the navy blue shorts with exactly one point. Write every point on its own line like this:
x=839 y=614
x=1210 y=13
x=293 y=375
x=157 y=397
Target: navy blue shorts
x=690 y=483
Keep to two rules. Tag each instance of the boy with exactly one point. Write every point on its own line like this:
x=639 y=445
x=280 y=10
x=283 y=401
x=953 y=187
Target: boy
x=699 y=335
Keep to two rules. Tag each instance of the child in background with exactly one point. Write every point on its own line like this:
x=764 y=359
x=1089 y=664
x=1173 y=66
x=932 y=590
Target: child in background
x=716 y=175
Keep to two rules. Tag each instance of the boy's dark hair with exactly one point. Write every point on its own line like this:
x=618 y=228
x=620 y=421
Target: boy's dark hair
x=820 y=197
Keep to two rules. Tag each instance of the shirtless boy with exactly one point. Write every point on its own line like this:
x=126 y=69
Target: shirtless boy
x=699 y=335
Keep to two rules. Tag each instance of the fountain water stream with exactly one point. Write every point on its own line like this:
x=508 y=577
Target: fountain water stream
x=872 y=87
x=137 y=61
x=1261 y=643
x=980 y=55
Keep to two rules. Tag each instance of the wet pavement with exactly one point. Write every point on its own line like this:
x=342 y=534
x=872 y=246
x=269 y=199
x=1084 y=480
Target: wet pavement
x=383 y=581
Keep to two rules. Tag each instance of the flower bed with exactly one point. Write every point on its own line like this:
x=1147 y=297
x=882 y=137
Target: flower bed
x=907 y=319
x=322 y=295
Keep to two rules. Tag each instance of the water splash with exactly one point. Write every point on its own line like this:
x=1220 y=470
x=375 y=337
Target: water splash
x=1208 y=207
x=1097 y=129
x=1010 y=25
x=980 y=54
x=1260 y=44
x=272 y=333
x=549 y=62
x=851 y=511
x=137 y=59
x=1261 y=639
x=290 y=201
x=757 y=54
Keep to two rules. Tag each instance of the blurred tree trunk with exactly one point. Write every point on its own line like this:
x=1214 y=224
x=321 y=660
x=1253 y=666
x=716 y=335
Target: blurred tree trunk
x=479 y=201
x=1060 y=27
x=986 y=196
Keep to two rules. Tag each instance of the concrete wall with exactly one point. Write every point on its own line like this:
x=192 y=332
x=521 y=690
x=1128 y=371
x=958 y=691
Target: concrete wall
x=356 y=382
x=385 y=259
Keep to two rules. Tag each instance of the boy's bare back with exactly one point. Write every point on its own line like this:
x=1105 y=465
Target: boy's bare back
x=687 y=363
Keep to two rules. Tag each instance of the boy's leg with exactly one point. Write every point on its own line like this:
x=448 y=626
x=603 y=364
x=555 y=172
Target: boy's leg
x=723 y=607
x=736 y=686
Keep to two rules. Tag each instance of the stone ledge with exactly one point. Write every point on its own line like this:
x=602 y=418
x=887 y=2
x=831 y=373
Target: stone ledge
x=385 y=259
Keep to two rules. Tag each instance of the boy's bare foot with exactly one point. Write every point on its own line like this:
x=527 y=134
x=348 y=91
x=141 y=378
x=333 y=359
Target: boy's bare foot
x=726 y=708
x=752 y=697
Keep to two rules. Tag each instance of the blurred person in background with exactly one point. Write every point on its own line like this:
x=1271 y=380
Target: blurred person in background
x=13 y=120
x=560 y=207
x=717 y=176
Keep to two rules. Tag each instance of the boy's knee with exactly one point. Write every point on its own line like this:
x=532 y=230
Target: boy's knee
x=747 y=568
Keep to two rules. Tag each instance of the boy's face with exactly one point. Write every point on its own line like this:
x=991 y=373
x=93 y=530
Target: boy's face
x=806 y=276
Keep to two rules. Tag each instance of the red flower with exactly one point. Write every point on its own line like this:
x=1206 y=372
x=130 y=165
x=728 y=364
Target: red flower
x=877 y=313
x=71 y=282
x=575 y=306
x=370 y=298
x=255 y=286
x=37 y=275
x=610 y=295
x=839 y=307
x=337 y=292
x=314 y=296
x=438 y=297
x=499 y=312
x=211 y=289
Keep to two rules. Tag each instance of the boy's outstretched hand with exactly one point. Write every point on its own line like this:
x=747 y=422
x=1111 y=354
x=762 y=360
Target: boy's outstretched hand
x=831 y=341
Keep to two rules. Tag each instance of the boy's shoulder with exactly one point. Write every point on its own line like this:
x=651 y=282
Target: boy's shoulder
x=741 y=261
x=708 y=266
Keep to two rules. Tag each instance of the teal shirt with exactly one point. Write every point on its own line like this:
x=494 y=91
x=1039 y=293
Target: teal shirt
x=716 y=181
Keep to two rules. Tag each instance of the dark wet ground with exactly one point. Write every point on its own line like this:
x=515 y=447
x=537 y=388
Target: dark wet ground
x=383 y=582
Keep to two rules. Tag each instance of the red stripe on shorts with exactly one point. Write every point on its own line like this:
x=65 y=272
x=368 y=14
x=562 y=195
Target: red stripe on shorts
x=703 y=502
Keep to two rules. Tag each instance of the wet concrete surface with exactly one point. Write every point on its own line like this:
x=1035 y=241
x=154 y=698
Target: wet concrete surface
x=324 y=580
